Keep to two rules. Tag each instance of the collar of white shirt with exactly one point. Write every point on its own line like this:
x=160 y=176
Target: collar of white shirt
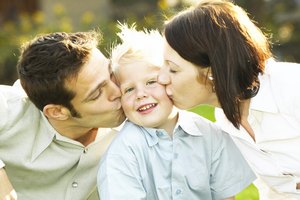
x=185 y=122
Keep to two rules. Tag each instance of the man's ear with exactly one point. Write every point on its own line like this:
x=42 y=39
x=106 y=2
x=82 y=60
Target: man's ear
x=57 y=112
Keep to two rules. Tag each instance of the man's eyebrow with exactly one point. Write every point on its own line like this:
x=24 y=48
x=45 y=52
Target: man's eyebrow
x=98 y=87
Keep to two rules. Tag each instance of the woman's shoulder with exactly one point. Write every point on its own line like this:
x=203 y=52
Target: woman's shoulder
x=203 y=125
x=282 y=70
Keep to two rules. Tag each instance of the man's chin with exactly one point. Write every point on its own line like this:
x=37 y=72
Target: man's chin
x=120 y=120
x=123 y=118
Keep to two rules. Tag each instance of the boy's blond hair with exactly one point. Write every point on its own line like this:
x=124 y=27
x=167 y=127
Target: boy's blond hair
x=137 y=46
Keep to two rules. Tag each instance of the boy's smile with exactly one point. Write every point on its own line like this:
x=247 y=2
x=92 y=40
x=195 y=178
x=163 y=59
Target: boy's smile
x=144 y=100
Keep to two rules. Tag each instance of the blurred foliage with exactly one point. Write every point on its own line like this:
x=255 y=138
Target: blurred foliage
x=280 y=19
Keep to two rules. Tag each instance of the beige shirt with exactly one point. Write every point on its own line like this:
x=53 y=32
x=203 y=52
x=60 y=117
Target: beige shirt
x=41 y=163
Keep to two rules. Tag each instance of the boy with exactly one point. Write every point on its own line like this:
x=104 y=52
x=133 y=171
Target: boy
x=161 y=152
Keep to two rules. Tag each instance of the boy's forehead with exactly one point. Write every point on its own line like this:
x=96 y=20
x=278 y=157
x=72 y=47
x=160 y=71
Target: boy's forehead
x=136 y=68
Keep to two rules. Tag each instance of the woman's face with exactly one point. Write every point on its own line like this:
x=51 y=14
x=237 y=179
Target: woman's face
x=183 y=81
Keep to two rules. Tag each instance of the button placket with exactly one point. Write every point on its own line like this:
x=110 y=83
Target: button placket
x=178 y=191
x=85 y=150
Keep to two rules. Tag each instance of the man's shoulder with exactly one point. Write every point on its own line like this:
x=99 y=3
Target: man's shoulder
x=15 y=105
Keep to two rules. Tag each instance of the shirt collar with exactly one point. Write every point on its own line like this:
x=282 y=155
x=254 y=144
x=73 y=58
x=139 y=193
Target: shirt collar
x=48 y=134
x=228 y=127
x=44 y=137
x=186 y=122
x=264 y=100
x=152 y=135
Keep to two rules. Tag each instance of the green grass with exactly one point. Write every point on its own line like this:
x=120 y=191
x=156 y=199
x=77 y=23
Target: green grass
x=250 y=193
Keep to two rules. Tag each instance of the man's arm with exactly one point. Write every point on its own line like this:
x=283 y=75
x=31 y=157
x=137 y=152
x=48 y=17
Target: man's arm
x=7 y=191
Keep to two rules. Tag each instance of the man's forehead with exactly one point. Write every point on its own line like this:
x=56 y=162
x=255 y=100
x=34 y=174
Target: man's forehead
x=92 y=73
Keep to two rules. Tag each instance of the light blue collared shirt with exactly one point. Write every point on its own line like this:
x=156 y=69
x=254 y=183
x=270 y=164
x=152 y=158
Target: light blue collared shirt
x=199 y=162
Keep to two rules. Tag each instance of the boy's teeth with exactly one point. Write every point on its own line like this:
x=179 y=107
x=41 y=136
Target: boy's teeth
x=146 y=107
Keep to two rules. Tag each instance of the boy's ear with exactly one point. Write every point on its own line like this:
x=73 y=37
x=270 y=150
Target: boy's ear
x=57 y=112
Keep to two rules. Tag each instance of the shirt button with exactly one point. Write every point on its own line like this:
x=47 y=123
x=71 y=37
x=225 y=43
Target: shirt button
x=74 y=184
x=175 y=155
x=85 y=150
x=159 y=134
x=178 y=192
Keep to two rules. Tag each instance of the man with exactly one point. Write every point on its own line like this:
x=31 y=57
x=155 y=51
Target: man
x=53 y=122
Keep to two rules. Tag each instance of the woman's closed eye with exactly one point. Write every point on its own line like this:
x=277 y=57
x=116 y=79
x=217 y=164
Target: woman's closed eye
x=172 y=67
x=127 y=90
x=172 y=71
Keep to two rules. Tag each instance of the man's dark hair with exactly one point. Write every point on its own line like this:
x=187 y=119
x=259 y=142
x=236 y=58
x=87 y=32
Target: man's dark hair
x=49 y=61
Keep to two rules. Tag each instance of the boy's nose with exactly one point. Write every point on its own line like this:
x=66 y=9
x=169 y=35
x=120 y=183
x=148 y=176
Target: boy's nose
x=141 y=93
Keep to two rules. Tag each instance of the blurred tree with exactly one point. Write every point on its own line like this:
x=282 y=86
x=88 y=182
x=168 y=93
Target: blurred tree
x=145 y=13
x=281 y=20
x=10 y=10
x=20 y=20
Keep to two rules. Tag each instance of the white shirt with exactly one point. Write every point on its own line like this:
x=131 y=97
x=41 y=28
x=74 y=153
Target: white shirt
x=275 y=118
x=40 y=163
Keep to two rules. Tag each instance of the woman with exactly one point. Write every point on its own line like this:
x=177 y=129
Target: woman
x=214 y=54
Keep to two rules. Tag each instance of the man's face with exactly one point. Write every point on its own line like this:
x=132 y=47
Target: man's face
x=97 y=98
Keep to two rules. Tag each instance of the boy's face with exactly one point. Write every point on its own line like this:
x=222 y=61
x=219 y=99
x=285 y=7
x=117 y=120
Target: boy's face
x=144 y=100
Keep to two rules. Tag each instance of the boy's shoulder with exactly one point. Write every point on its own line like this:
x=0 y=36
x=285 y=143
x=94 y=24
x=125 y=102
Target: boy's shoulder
x=130 y=136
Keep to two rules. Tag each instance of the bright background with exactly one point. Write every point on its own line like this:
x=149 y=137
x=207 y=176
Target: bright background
x=22 y=20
